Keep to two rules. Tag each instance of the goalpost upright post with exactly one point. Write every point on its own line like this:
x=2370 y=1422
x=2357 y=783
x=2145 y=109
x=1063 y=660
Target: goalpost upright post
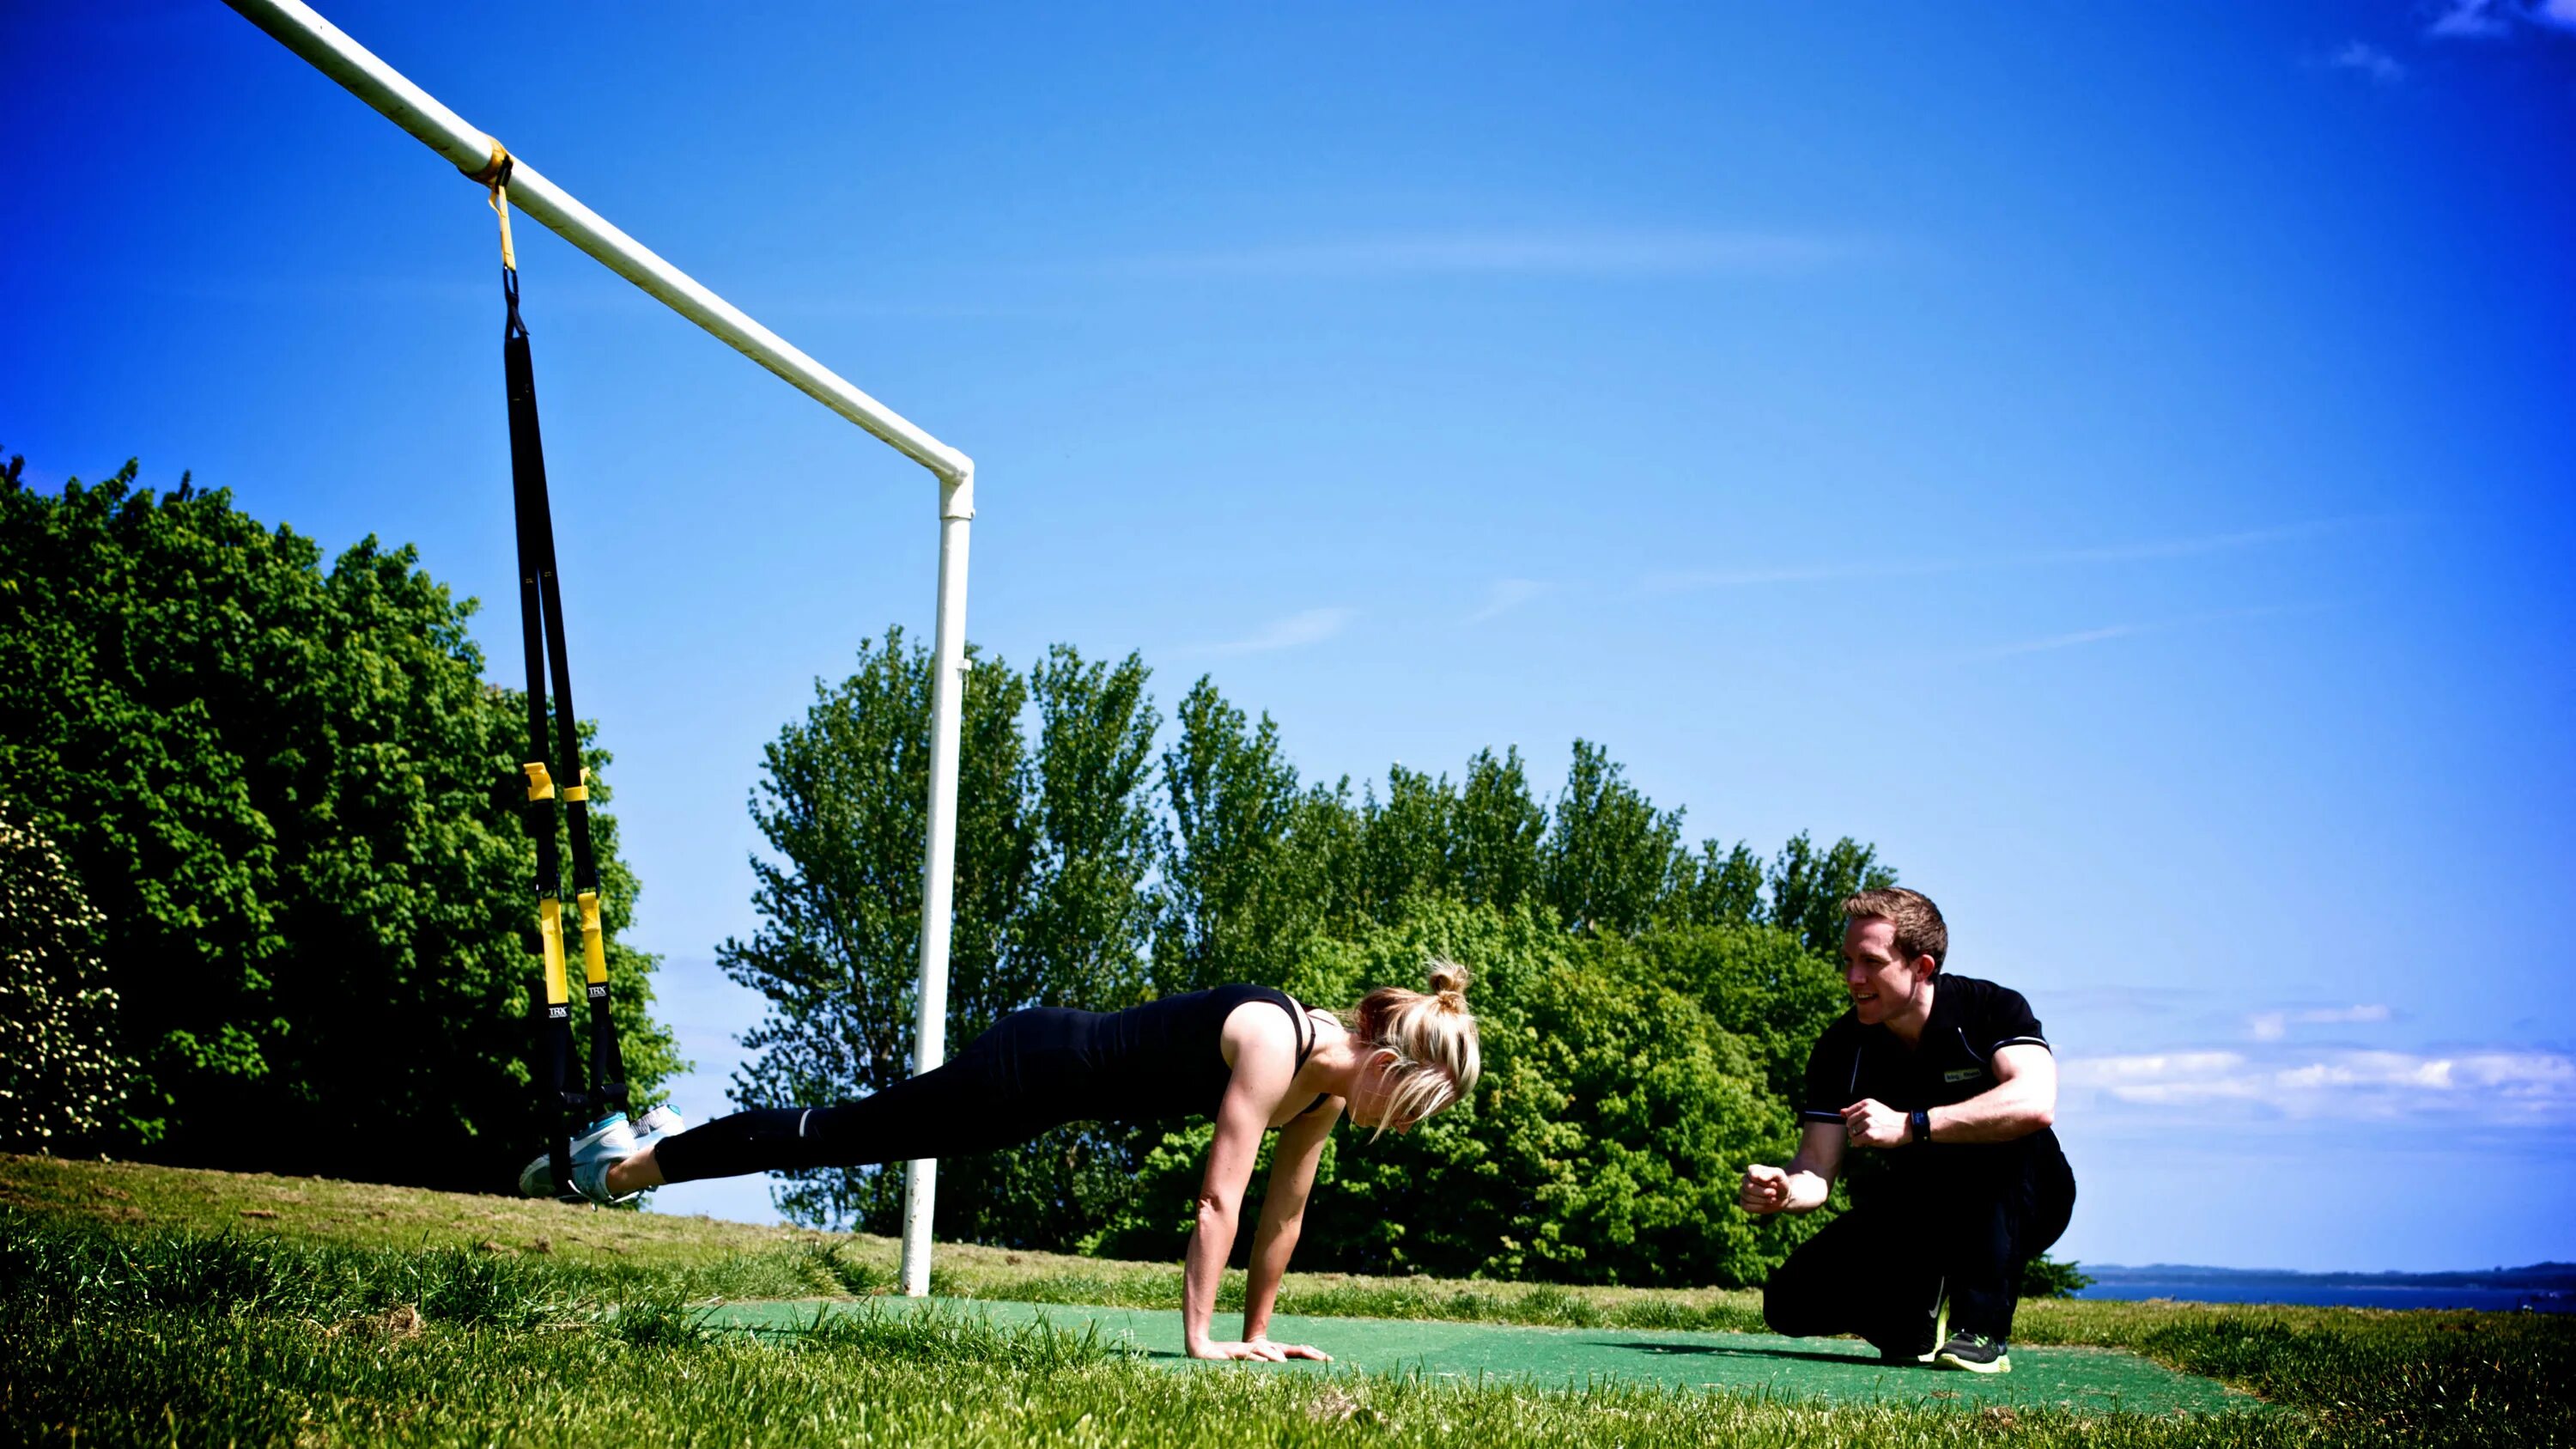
x=471 y=151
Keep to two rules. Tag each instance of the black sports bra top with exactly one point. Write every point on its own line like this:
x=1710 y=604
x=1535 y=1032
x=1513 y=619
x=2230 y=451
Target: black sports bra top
x=1166 y=1059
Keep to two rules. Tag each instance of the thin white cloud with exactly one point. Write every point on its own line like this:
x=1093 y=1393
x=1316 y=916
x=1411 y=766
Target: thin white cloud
x=1505 y=596
x=2472 y=20
x=1509 y=253
x=2124 y=631
x=2499 y=19
x=2505 y=1085
x=2275 y=1025
x=1312 y=626
x=2369 y=61
x=2060 y=641
x=1900 y=568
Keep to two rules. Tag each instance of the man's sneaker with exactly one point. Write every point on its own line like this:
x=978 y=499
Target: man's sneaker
x=1974 y=1352
x=608 y=1142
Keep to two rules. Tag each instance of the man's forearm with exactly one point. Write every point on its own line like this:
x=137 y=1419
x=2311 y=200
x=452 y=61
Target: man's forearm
x=2003 y=1114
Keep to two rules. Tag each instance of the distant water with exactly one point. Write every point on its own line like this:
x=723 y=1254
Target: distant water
x=2546 y=1288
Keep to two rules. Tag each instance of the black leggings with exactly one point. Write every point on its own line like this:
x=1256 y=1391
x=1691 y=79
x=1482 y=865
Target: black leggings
x=1018 y=1080
x=1881 y=1269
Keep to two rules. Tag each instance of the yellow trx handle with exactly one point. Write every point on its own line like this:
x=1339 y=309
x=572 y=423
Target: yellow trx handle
x=550 y=933
x=594 y=942
x=541 y=784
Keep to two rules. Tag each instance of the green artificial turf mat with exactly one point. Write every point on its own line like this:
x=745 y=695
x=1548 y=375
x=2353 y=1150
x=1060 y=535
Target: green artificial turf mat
x=1828 y=1369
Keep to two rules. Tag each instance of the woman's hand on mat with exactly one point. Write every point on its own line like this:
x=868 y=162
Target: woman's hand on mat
x=1872 y=1123
x=1257 y=1349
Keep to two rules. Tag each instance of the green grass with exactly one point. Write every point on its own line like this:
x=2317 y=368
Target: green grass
x=145 y=1305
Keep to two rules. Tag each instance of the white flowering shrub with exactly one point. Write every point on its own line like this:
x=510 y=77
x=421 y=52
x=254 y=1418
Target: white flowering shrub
x=62 y=1079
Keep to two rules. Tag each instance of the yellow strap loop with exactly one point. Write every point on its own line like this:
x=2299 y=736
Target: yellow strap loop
x=492 y=170
x=541 y=785
x=501 y=204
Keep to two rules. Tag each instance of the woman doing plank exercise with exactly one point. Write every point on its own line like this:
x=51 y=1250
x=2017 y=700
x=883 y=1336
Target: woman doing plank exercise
x=1249 y=1057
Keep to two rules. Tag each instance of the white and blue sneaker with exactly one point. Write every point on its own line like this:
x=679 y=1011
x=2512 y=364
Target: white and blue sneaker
x=657 y=1124
x=608 y=1142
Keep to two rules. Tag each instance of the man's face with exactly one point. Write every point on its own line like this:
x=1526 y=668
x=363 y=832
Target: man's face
x=1883 y=984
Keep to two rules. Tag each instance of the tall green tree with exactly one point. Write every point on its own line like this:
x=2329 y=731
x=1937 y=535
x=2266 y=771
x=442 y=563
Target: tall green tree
x=1406 y=841
x=276 y=780
x=1608 y=850
x=842 y=803
x=1808 y=888
x=1090 y=914
x=1498 y=832
x=1716 y=887
x=1241 y=892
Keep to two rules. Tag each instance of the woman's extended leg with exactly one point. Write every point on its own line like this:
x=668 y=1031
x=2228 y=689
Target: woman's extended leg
x=998 y=1093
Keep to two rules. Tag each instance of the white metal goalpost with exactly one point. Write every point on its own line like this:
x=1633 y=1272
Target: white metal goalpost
x=332 y=52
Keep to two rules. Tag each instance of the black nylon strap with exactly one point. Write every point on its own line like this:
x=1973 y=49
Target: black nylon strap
x=541 y=629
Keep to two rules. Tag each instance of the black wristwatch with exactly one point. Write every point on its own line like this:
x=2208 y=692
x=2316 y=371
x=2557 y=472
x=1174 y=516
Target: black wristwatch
x=1922 y=1121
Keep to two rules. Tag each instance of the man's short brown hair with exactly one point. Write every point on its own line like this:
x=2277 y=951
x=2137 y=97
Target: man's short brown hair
x=1919 y=928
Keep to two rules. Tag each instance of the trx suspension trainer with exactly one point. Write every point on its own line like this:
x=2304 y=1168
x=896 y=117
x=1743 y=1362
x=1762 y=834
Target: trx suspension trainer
x=573 y=1109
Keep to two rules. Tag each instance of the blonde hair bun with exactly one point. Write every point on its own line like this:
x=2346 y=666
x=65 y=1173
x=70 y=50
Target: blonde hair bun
x=1448 y=978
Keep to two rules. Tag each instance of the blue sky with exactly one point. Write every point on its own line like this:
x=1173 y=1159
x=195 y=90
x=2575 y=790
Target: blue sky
x=2115 y=459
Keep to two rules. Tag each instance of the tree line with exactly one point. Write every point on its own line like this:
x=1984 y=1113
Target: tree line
x=263 y=907
x=1647 y=1001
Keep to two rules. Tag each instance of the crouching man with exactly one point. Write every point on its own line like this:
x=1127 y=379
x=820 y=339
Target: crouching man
x=1948 y=1080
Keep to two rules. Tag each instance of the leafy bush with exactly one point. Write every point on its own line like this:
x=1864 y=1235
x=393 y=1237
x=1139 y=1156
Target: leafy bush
x=2045 y=1277
x=277 y=781
x=1605 y=1145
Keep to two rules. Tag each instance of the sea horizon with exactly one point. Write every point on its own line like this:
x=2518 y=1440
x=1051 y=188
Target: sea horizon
x=2547 y=1287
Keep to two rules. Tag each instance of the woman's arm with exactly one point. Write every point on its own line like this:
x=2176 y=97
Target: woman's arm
x=1283 y=1210
x=1264 y=1064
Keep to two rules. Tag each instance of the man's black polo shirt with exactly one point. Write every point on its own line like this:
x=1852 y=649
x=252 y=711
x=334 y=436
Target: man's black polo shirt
x=1970 y=1021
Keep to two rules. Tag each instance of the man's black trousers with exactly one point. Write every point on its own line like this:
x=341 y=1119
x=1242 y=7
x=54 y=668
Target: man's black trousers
x=1962 y=1224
